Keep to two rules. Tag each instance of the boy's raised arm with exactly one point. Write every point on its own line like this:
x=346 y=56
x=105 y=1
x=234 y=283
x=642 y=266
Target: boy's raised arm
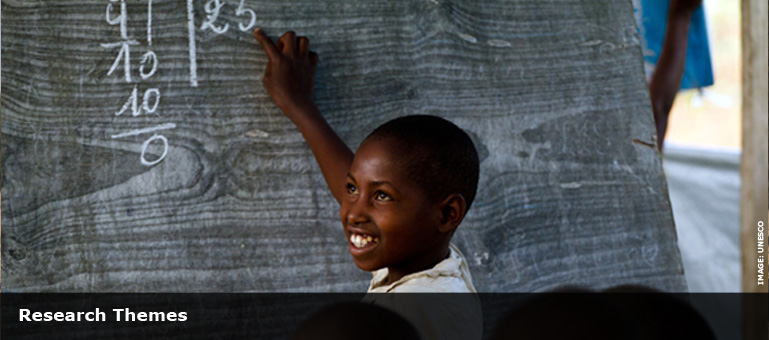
x=289 y=79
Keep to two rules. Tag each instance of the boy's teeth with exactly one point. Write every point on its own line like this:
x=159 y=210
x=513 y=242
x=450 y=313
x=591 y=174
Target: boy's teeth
x=361 y=241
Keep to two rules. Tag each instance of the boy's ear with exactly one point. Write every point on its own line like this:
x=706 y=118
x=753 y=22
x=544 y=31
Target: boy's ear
x=453 y=210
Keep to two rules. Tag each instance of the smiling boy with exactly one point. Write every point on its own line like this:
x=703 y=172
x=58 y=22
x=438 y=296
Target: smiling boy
x=403 y=193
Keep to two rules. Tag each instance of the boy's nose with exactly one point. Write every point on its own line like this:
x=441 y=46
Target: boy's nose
x=354 y=213
x=356 y=218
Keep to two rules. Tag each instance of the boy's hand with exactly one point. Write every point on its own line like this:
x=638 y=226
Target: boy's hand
x=289 y=78
x=290 y=74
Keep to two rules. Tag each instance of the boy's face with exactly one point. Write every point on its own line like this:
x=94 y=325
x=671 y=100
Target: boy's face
x=388 y=219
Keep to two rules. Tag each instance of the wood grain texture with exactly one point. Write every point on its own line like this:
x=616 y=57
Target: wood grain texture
x=553 y=93
x=754 y=163
x=754 y=191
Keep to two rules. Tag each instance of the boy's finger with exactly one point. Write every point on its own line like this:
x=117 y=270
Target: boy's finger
x=289 y=42
x=313 y=65
x=267 y=44
x=313 y=59
x=304 y=45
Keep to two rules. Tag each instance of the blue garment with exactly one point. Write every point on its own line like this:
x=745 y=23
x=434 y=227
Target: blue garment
x=651 y=19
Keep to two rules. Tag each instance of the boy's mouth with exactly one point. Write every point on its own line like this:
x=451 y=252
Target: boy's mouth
x=362 y=240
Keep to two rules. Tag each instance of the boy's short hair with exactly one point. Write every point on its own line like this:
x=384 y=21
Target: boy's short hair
x=439 y=156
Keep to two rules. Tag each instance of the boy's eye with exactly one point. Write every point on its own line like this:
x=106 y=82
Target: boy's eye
x=352 y=189
x=380 y=196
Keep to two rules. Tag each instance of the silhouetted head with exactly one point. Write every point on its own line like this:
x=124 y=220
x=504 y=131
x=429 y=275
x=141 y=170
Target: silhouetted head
x=355 y=321
x=661 y=315
x=566 y=313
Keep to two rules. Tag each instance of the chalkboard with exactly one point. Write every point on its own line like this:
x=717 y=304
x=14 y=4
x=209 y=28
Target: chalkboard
x=140 y=151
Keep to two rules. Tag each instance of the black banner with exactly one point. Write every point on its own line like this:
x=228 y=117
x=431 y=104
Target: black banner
x=567 y=315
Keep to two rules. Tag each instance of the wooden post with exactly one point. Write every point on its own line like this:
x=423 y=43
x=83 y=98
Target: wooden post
x=754 y=169
x=753 y=199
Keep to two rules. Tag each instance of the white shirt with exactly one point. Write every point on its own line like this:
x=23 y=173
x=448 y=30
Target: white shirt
x=435 y=316
x=451 y=275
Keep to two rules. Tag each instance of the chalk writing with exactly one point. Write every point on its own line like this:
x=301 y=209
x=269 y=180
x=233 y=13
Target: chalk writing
x=242 y=11
x=132 y=101
x=166 y=126
x=147 y=143
x=192 y=46
x=148 y=103
x=148 y=66
x=125 y=54
x=149 y=23
x=125 y=44
x=147 y=96
x=212 y=8
x=148 y=58
x=122 y=19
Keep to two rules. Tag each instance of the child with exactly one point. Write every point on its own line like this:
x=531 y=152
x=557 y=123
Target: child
x=403 y=193
x=666 y=79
